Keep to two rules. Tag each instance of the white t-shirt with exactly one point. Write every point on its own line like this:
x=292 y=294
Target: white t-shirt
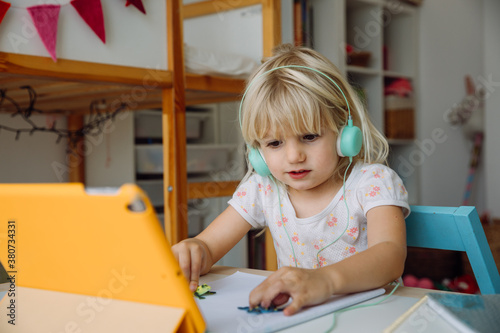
x=315 y=240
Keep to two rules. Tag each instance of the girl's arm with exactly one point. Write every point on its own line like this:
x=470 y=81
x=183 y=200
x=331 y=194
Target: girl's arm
x=197 y=255
x=382 y=262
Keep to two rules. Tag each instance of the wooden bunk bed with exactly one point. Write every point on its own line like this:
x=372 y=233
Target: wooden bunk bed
x=75 y=84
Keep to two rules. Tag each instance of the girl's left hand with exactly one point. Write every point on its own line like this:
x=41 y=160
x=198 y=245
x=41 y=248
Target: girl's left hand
x=304 y=286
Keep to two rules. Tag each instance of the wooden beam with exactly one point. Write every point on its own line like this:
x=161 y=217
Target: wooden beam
x=209 y=7
x=211 y=189
x=83 y=71
x=174 y=131
x=214 y=83
x=271 y=22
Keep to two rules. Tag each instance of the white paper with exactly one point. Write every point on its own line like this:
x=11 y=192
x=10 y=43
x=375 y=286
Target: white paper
x=222 y=315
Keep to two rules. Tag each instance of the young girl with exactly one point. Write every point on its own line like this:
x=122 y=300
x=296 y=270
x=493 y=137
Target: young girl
x=337 y=221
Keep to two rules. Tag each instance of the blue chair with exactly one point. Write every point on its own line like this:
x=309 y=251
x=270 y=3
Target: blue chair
x=457 y=229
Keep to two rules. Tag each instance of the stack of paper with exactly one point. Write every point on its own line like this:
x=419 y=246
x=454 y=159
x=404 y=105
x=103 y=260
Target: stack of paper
x=221 y=312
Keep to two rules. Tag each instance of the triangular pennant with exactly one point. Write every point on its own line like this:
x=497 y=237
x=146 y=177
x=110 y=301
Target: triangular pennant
x=137 y=4
x=45 y=18
x=4 y=7
x=91 y=13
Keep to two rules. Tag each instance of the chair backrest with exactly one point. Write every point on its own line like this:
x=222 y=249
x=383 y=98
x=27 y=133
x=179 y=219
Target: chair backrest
x=458 y=229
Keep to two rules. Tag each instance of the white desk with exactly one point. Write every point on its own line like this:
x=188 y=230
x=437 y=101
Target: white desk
x=369 y=319
x=55 y=312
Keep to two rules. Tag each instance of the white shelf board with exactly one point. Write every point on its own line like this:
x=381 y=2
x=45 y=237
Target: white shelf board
x=363 y=70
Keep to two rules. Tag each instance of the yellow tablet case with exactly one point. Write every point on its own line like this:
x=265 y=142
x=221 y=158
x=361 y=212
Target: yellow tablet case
x=99 y=243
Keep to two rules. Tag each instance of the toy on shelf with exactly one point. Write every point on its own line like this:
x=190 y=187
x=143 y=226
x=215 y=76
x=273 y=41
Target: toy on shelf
x=399 y=109
x=356 y=57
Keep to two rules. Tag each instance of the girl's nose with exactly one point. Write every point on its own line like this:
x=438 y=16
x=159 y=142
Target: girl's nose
x=295 y=153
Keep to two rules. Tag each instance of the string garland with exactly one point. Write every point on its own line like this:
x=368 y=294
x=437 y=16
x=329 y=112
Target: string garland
x=56 y=3
x=137 y=4
x=45 y=18
x=94 y=126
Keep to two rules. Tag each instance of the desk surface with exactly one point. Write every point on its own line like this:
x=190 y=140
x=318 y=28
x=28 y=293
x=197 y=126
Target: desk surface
x=218 y=272
x=370 y=319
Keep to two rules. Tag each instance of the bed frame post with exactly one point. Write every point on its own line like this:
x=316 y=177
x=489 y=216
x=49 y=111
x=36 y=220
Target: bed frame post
x=271 y=21
x=174 y=131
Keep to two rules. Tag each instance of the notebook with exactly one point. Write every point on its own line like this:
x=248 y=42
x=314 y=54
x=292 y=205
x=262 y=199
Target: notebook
x=104 y=243
x=222 y=315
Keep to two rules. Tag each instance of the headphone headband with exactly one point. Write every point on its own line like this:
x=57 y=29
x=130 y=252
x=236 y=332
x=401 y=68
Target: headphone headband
x=292 y=66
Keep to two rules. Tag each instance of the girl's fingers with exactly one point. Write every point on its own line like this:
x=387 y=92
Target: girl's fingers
x=304 y=287
x=281 y=299
x=185 y=263
x=266 y=292
x=196 y=260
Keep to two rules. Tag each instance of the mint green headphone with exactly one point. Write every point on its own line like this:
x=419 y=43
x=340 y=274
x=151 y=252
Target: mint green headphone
x=349 y=140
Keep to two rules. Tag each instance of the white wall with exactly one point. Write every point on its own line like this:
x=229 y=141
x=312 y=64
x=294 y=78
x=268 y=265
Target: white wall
x=132 y=38
x=109 y=159
x=451 y=46
x=238 y=32
x=32 y=158
x=492 y=67
x=108 y=155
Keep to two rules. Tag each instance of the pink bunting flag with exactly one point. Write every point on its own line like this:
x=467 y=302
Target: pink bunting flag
x=91 y=13
x=4 y=7
x=45 y=18
x=137 y=4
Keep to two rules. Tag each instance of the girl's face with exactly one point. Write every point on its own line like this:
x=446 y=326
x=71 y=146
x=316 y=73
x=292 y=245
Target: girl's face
x=304 y=162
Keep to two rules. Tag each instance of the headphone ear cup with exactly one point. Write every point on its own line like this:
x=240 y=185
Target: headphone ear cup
x=258 y=163
x=349 y=141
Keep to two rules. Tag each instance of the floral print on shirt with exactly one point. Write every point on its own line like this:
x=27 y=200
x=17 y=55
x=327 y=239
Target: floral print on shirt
x=324 y=238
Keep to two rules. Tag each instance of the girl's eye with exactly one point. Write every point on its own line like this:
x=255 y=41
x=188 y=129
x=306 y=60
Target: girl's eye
x=274 y=144
x=310 y=137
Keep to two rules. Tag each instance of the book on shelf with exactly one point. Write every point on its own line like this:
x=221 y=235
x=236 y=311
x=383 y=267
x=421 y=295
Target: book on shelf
x=450 y=312
x=303 y=23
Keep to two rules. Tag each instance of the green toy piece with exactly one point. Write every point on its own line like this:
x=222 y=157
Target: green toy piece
x=203 y=290
x=259 y=309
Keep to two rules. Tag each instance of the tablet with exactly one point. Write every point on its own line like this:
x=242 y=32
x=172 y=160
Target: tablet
x=104 y=242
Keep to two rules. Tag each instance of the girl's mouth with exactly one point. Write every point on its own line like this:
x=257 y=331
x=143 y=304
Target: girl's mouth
x=299 y=174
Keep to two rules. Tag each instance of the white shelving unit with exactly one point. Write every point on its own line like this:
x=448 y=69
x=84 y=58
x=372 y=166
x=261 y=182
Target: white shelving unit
x=389 y=31
x=215 y=152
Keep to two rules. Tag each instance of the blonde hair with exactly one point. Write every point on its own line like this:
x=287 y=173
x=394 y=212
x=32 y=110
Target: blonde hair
x=300 y=100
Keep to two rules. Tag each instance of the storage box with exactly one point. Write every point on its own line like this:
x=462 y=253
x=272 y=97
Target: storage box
x=399 y=117
x=361 y=58
x=148 y=124
x=206 y=158
x=200 y=158
x=194 y=126
x=154 y=191
x=149 y=159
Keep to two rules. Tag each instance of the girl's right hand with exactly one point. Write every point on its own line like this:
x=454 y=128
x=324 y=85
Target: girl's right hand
x=194 y=259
